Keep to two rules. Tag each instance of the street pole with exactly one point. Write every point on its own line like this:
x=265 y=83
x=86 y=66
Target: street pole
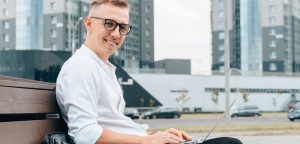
x=227 y=59
x=74 y=34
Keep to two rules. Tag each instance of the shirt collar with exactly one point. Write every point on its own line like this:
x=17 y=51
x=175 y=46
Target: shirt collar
x=97 y=59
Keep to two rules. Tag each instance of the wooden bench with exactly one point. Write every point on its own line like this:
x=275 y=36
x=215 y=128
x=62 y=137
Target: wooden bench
x=28 y=110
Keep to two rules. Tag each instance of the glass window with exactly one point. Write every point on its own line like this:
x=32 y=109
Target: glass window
x=221 y=69
x=53 y=19
x=272 y=31
x=53 y=33
x=221 y=24
x=221 y=35
x=147 y=44
x=221 y=47
x=53 y=46
x=147 y=8
x=272 y=20
x=6 y=38
x=272 y=8
x=5 y=12
x=273 y=55
x=221 y=1
x=221 y=13
x=147 y=21
x=85 y=9
x=221 y=58
x=147 y=32
x=273 y=67
x=6 y=24
x=52 y=5
x=272 y=43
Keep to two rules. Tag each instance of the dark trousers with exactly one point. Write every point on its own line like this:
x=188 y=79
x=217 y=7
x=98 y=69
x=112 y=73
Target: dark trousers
x=223 y=140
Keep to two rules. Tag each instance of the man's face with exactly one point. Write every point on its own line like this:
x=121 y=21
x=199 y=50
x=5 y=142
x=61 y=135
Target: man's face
x=104 y=42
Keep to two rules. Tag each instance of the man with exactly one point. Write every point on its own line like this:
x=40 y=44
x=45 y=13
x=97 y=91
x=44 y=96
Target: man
x=88 y=92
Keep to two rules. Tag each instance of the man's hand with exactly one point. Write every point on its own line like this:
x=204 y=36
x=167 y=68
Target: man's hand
x=169 y=136
x=162 y=138
x=181 y=134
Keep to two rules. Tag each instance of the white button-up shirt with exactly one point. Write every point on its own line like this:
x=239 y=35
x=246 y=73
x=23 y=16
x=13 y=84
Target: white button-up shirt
x=90 y=98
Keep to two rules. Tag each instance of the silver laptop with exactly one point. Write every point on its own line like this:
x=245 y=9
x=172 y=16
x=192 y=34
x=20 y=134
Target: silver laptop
x=202 y=139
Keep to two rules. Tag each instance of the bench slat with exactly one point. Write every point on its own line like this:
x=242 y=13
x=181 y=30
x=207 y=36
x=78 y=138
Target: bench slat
x=28 y=132
x=20 y=100
x=28 y=85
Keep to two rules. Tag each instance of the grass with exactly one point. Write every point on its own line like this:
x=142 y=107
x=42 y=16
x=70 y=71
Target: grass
x=224 y=128
x=292 y=128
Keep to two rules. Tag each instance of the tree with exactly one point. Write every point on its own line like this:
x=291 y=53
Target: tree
x=183 y=98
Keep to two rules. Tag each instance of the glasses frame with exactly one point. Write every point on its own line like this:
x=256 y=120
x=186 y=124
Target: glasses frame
x=117 y=25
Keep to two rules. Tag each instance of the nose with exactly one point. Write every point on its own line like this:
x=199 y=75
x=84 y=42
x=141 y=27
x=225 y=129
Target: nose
x=116 y=32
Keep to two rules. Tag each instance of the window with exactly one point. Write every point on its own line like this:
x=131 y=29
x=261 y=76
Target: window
x=52 y=5
x=221 y=58
x=5 y=12
x=53 y=19
x=147 y=8
x=147 y=44
x=53 y=46
x=221 y=13
x=272 y=8
x=53 y=33
x=221 y=2
x=221 y=25
x=273 y=43
x=221 y=69
x=272 y=20
x=221 y=35
x=221 y=47
x=286 y=1
x=85 y=9
x=147 y=21
x=6 y=38
x=272 y=31
x=273 y=55
x=273 y=67
x=147 y=32
x=84 y=35
x=6 y=25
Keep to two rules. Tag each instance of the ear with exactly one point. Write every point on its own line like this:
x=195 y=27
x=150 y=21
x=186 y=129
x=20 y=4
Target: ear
x=88 y=24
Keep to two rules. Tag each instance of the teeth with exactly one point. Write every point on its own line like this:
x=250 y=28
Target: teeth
x=111 y=42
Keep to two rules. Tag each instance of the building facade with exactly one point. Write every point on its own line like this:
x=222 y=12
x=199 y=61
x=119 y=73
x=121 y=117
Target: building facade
x=263 y=35
x=174 y=66
x=56 y=25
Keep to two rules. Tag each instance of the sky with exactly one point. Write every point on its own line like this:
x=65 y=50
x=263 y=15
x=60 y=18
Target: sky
x=182 y=31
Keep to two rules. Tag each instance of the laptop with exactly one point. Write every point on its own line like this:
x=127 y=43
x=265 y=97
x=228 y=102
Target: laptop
x=202 y=139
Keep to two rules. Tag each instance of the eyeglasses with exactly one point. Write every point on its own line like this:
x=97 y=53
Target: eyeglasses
x=111 y=25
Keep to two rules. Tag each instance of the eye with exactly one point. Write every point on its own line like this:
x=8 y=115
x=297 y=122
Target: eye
x=110 y=24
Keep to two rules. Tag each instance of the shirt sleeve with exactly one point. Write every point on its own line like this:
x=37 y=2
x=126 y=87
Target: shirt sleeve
x=77 y=94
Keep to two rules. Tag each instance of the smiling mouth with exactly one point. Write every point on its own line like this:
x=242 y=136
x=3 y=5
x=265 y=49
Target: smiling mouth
x=111 y=42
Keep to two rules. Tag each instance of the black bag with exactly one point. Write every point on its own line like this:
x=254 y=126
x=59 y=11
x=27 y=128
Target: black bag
x=58 y=138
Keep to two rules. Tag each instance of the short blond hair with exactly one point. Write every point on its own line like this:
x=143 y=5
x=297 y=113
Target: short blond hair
x=119 y=3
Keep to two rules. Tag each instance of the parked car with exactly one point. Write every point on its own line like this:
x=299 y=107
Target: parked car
x=293 y=104
x=133 y=113
x=161 y=112
x=294 y=114
x=244 y=111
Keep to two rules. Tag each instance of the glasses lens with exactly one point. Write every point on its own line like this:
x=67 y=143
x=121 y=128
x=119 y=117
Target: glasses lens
x=124 y=29
x=110 y=24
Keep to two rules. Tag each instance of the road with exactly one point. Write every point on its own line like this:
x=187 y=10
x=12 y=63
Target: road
x=247 y=137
